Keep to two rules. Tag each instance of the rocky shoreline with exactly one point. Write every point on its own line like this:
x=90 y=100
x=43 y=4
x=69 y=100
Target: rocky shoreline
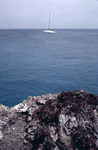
x=64 y=121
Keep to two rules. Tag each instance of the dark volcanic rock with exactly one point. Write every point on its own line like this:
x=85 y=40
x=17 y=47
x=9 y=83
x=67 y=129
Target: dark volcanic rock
x=65 y=121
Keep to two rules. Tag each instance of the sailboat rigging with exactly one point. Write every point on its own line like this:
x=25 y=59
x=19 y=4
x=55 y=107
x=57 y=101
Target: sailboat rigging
x=49 y=30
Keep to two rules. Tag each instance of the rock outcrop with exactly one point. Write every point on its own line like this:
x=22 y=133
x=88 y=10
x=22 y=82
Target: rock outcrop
x=65 y=121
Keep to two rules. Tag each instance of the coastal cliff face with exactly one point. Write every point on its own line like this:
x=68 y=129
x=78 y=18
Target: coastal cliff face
x=65 y=121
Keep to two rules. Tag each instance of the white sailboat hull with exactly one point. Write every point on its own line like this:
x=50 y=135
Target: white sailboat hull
x=49 y=31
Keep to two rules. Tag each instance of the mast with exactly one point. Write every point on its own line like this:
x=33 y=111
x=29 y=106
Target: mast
x=49 y=21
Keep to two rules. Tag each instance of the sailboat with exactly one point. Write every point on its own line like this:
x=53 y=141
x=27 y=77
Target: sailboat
x=49 y=30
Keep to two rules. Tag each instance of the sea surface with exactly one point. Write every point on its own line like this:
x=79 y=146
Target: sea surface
x=33 y=63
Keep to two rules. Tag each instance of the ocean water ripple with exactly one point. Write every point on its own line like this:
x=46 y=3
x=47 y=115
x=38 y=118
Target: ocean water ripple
x=34 y=63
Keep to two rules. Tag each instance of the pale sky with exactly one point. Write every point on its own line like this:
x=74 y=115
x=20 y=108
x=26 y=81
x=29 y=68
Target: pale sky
x=34 y=14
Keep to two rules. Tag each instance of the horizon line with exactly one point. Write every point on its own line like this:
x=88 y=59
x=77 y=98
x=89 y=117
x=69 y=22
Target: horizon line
x=44 y=28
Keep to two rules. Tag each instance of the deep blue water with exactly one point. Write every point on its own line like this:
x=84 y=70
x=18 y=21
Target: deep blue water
x=33 y=63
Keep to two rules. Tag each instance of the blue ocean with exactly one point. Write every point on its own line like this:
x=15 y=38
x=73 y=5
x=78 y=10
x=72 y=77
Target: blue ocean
x=33 y=63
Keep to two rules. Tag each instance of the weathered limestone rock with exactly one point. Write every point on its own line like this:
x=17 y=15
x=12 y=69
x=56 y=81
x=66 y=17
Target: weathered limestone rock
x=65 y=121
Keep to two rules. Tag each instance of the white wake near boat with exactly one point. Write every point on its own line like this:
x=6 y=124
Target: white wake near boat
x=49 y=30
